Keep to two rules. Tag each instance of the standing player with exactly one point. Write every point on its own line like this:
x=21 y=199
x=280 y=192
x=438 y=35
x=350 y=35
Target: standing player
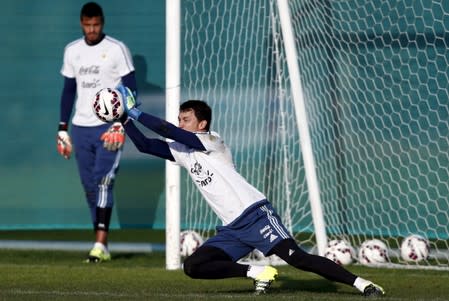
x=91 y=63
x=249 y=220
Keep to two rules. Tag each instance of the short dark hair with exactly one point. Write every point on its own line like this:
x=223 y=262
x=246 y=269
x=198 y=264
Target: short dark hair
x=91 y=9
x=201 y=110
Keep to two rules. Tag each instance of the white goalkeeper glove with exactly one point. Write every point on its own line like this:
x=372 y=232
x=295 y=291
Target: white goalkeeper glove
x=129 y=102
x=63 y=141
x=114 y=138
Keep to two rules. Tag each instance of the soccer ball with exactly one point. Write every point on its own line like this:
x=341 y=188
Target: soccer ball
x=190 y=241
x=340 y=251
x=373 y=252
x=415 y=248
x=108 y=105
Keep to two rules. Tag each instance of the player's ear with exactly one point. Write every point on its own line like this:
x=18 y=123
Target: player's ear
x=202 y=124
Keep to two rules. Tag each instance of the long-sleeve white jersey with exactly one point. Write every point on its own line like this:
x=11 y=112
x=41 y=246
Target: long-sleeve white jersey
x=94 y=67
x=214 y=173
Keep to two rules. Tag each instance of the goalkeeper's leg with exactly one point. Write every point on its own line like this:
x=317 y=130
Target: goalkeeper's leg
x=289 y=251
x=212 y=263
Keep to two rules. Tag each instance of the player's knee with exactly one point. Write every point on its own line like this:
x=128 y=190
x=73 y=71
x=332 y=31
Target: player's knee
x=298 y=258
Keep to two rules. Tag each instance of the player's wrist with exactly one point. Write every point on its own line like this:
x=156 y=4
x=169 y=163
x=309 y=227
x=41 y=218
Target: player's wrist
x=63 y=126
x=134 y=113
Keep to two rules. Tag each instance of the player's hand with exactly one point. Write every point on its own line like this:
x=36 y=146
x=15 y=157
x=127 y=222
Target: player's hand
x=64 y=144
x=114 y=138
x=129 y=102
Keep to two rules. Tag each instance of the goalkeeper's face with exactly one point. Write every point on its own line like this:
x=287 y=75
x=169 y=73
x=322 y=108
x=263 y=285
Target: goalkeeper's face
x=189 y=122
x=92 y=29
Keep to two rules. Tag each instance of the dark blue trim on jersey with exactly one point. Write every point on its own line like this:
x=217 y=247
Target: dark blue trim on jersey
x=168 y=130
x=67 y=99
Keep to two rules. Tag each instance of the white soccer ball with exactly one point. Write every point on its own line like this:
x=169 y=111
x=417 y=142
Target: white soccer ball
x=415 y=248
x=108 y=105
x=339 y=251
x=373 y=252
x=190 y=241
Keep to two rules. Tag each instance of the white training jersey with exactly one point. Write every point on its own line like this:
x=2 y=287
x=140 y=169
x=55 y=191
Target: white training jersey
x=94 y=67
x=213 y=172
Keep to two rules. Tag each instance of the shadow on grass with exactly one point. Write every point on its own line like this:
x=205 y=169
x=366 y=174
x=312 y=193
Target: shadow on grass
x=310 y=285
x=287 y=285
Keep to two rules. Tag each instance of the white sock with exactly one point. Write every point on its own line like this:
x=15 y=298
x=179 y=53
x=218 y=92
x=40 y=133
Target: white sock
x=101 y=246
x=361 y=283
x=254 y=270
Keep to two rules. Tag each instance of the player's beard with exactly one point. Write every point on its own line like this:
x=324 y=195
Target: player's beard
x=93 y=38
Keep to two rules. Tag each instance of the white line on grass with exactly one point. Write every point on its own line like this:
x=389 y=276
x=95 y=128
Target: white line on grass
x=78 y=246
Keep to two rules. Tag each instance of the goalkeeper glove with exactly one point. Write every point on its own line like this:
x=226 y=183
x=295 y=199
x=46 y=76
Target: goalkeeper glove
x=129 y=102
x=63 y=142
x=114 y=137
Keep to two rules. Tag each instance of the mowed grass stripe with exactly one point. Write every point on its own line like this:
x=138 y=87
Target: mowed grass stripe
x=61 y=275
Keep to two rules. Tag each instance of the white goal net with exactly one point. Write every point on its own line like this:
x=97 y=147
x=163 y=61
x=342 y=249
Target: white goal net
x=375 y=77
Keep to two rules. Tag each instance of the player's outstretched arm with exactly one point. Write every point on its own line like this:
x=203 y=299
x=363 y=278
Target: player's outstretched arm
x=168 y=130
x=158 y=125
x=154 y=147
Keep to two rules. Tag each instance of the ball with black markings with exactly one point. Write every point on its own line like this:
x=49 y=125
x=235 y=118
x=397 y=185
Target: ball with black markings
x=108 y=105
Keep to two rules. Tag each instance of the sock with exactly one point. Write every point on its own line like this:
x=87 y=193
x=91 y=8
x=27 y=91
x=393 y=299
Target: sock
x=361 y=283
x=254 y=270
x=101 y=246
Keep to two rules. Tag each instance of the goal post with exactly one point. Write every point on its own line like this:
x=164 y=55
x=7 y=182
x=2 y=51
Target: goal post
x=172 y=171
x=359 y=126
x=303 y=127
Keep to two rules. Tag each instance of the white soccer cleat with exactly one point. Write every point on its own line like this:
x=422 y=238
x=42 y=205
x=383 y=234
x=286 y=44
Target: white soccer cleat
x=373 y=290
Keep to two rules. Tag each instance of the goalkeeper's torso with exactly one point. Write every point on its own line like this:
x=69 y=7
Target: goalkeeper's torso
x=213 y=172
x=94 y=67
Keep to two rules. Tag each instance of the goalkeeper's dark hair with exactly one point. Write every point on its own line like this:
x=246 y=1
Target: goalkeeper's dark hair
x=91 y=9
x=201 y=110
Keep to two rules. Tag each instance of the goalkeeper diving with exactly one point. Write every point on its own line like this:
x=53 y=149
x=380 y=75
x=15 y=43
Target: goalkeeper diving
x=249 y=221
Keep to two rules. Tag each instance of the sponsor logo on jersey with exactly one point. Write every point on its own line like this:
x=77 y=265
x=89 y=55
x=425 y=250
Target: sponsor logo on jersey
x=94 y=84
x=86 y=70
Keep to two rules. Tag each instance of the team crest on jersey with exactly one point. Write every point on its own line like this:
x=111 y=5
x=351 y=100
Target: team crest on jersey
x=202 y=177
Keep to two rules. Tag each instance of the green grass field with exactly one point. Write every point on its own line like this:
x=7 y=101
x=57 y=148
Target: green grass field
x=61 y=275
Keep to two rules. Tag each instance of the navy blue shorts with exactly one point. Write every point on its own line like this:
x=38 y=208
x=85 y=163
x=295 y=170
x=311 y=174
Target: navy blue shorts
x=97 y=166
x=259 y=227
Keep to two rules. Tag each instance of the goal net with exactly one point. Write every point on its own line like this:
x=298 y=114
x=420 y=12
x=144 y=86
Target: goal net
x=376 y=88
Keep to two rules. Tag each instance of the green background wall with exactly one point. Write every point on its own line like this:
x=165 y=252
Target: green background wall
x=38 y=188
